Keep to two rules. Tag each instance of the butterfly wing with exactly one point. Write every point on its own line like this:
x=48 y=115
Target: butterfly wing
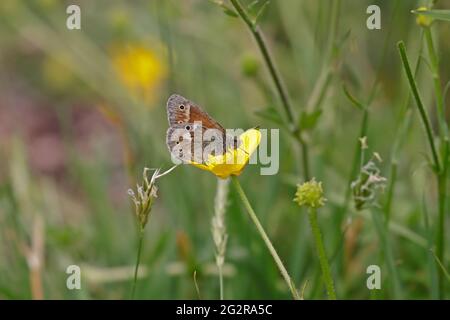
x=182 y=111
x=186 y=144
x=178 y=110
x=187 y=136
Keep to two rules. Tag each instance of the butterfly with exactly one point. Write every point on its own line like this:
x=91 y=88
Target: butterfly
x=193 y=135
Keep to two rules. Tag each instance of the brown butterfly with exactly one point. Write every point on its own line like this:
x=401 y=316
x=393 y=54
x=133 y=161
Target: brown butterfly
x=193 y=134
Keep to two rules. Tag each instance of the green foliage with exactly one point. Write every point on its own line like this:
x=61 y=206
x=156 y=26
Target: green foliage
x=80 y=120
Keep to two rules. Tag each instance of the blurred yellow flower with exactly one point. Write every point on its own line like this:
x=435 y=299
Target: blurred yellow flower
x=141 y=70
x=423 y=20
x=233 y=161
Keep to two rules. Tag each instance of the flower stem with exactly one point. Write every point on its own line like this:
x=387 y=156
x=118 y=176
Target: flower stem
x=257 y=34
x=138 y=260
x=279 y=85
x=324 y=265
x=266 y=239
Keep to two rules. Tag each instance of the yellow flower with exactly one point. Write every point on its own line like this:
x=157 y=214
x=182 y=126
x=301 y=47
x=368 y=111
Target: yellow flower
x=423 y=20
x=233 y=162
x=141 y=70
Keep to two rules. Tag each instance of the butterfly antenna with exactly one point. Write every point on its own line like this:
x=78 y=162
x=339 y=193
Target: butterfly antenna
x=240 y=148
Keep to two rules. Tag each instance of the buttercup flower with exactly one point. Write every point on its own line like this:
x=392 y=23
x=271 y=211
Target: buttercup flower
x=233 y=162
x=140 y=69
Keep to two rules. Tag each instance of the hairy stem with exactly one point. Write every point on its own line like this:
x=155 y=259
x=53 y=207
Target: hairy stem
x=324 y=265
x=270 y=247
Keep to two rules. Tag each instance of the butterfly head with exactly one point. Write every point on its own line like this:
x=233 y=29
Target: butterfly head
x=232 y=142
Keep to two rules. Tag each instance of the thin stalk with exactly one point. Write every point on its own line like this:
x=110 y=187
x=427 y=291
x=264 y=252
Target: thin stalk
x=324 y=80
x=390 y=192
x=305 y=161
x=257 y=34
x=440 y=172
x=432 y=267
x=443 y=132
x=434 y=64
x=221 y=282
x=402 y=130
x=447 y=275
x=270 y=247
x=357 y=155
x=275 y=75
x=422 y=111
x=442 y=204
x=333 y=29
x=218 y=228
x=324 y=265
x=387 y=253
x=138 y=260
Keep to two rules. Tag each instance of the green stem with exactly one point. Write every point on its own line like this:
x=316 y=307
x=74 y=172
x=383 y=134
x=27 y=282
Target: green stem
x=324 y=265
x=390 y=192
x=403 y=125
x=320 y=88
x=434 y=64
x=432 y=267
x=387 y=254
x=275 y=75
x=221 y=282
x=257 y=34
x=266 y=239
x=422 y=111
x=305 y=161
x=440 y=172
x=443 y=131
x=138 y=259
x=442 y=204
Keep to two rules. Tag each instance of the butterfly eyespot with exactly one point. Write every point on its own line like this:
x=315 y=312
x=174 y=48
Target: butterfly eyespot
x=178 y=142
x=188 y=127
x=180 y=122
x=181 y=107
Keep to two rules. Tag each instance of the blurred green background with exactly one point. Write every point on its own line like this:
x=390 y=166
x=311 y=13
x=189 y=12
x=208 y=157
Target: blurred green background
x=82 y=112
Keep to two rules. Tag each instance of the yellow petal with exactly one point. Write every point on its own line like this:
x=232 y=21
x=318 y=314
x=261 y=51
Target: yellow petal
x=233 y=161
